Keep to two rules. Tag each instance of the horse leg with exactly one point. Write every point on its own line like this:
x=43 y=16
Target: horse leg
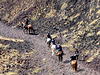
x=52 y=52
x=73 y=67
x=77 y=57
x=33 y=30
x=61 y=58
x=76 y=67
x=24 y=30
x=49 y=47
x=29 y=30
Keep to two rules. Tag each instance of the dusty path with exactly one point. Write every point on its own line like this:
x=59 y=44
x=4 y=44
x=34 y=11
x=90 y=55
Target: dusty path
x=52 y=66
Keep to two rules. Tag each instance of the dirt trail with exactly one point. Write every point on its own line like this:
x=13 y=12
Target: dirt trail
x=52 y=66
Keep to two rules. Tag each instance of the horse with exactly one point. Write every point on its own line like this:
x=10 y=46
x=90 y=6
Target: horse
x=29 y=27
x=60 y=54
x=53 y=48
x=74 y=65
x=48 y=42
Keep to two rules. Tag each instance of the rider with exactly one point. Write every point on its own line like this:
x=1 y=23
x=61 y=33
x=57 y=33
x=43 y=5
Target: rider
x=49 y=36
x=60 y=48
x=77 y=53
x=72 y=58
x=26 y=22
x=53 y=41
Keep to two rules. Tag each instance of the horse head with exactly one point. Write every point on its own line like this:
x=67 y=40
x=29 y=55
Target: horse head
x=23 y=24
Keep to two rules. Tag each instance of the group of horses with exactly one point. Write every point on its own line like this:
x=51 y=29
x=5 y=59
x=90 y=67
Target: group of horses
x=53 y=48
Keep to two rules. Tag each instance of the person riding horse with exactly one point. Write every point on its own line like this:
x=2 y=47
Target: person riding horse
x=53 y=41
x=60 y=52
x=73 y=62
x=59 y=48
x=28 y=26
x=26 y=23
x=49 y=38
x=77 y=53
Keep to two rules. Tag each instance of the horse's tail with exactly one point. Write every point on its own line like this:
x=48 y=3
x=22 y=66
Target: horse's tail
x=76 y=66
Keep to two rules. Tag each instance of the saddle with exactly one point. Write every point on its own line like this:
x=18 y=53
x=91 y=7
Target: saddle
x=60 y=52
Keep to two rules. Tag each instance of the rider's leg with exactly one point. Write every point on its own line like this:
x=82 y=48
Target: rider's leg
x=29 y=30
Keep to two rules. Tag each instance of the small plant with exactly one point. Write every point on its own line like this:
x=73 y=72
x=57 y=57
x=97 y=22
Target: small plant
x=36 y=71
x=44 y=61
x=6 y=47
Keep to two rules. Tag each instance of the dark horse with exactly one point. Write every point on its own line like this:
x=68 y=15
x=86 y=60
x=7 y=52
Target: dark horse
x=60 y=55
x=29 y=27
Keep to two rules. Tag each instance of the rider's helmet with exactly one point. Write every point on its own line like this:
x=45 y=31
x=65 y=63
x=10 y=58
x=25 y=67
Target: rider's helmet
x=59 y=44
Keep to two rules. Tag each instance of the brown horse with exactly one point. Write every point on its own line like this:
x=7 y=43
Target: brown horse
x=60 y=55
x=29 y=27
x=74 y=65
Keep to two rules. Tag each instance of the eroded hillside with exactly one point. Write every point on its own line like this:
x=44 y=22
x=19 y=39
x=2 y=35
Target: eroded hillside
x=78 y=21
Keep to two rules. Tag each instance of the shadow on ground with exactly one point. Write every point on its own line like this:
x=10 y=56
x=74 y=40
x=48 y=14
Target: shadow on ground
x=80 y=70
x=66 y=61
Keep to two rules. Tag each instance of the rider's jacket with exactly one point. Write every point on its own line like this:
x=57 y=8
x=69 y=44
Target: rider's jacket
x=27 y=21
x=53 y=41
x=48 y=36
x=77 y=52
x=59 y=48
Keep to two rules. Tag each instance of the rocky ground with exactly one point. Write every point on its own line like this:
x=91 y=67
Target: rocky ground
x=34 y=58
x=73 y=23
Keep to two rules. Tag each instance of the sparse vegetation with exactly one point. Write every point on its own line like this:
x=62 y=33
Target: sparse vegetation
x=76 y=20
x=37 y=70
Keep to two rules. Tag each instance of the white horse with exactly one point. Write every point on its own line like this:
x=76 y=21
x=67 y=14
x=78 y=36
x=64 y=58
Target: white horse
x=53 y=48
x=48 y=42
